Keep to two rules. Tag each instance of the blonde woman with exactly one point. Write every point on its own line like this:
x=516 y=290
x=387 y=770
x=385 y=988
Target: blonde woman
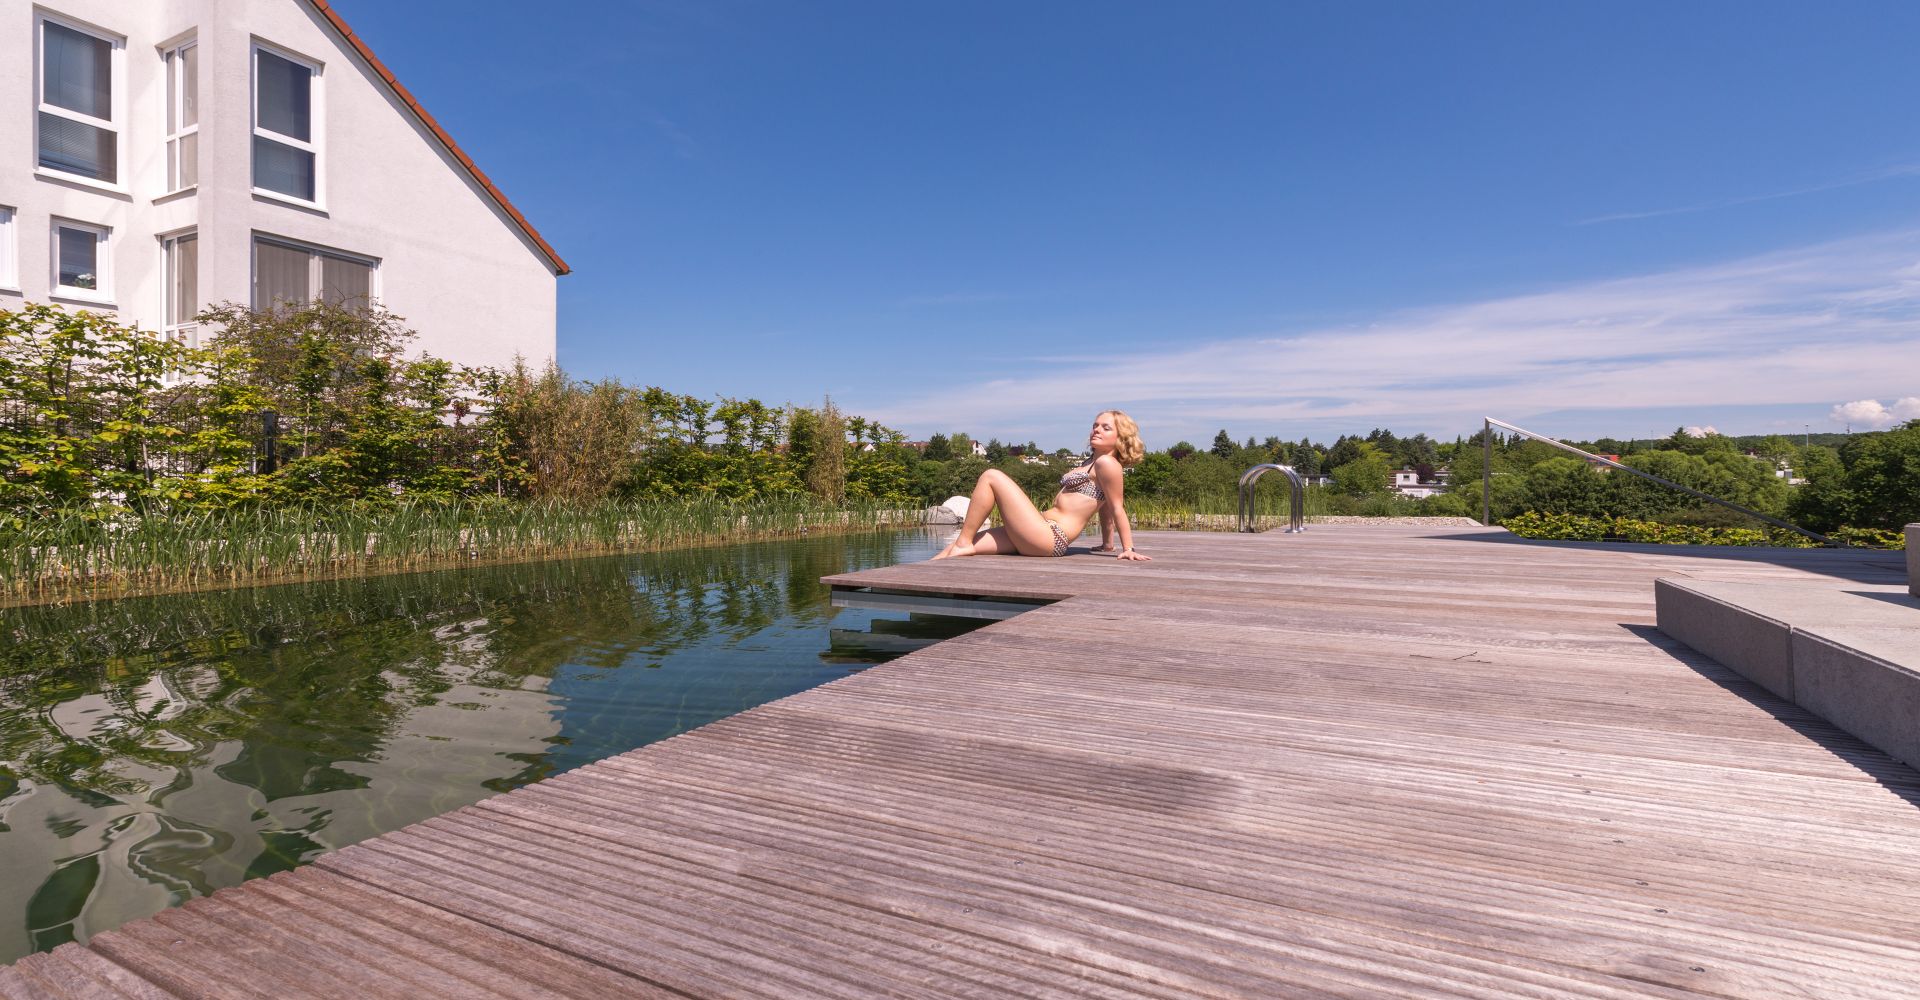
x=1025 y=530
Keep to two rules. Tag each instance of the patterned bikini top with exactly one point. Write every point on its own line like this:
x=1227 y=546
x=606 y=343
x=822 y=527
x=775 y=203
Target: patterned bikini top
x=1082 y=483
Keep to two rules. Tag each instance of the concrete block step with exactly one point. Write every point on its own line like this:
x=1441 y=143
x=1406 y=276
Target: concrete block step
x=1847 y=653
x=1913 y=559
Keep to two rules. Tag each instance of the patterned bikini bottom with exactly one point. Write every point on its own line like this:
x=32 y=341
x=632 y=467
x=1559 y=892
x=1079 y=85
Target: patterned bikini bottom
x=1059 y=539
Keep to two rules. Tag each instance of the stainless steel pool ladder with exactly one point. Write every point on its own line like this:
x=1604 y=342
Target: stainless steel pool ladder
x=1297 y=509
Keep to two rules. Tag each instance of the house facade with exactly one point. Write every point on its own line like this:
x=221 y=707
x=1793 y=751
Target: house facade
x=1407 y=483
x=161 y=156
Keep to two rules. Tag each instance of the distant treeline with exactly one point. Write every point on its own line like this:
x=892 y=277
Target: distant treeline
x=321 y=406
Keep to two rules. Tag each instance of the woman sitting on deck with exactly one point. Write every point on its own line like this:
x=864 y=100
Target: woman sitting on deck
x=1097 y=486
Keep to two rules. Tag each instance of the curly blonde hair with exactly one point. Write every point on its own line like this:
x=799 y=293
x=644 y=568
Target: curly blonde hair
x=1129 y=451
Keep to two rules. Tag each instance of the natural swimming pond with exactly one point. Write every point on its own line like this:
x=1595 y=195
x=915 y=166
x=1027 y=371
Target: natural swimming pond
x=156 y=749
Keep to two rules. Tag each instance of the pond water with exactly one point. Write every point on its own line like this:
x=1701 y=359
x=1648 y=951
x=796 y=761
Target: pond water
x=157 y=749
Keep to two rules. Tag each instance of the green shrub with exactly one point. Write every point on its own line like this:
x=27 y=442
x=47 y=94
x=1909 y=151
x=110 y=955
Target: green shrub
x=1581 y=528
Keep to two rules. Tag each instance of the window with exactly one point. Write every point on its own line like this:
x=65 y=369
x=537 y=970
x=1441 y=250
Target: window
x=182 y=258
x=80 y=261
x=9 y=269
x=286 y=152
x=77 y=134
x=183 y=117
x=288 y=273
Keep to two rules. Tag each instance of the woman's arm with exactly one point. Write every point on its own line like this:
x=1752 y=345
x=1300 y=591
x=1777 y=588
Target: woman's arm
x=1106 y=527
x=1112 y=479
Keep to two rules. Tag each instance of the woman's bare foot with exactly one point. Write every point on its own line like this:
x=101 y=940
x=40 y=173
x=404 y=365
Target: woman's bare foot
x=954 y=548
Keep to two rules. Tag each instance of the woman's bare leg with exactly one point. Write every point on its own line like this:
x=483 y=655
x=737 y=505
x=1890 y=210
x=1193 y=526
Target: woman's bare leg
x=1025 y=532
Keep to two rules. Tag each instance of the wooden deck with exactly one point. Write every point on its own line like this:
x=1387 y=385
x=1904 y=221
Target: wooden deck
x=1360 y=762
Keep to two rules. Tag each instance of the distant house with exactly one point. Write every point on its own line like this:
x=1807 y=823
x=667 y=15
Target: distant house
x=1781 y=468
x=1602 y=466
x=1407 y=483
x=979 y=450
x=164 y=155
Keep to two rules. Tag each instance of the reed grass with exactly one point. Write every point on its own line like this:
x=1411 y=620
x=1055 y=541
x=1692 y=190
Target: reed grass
x=72 y=555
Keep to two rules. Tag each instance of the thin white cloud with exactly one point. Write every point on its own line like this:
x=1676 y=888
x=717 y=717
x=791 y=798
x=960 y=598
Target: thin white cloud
x=1871 y=414
x=683 y=144
x=1870 y=177
x=954 y=299
x=1833 y=321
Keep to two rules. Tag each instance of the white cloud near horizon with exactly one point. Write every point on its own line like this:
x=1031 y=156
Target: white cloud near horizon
x=1834 y=321
x=1871 y=414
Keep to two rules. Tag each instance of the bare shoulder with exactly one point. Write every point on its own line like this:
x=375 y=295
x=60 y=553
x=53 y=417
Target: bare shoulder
x=1107 y=468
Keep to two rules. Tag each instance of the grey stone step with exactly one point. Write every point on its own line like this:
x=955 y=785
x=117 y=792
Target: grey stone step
x=1849 y=653
x=1913 y=559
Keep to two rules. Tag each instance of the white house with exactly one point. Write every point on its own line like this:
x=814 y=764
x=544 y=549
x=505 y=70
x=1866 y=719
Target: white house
x=160 y=156
x=1407 y=482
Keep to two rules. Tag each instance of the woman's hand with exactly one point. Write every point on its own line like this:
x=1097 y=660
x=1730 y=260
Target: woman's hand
x=1129 y=555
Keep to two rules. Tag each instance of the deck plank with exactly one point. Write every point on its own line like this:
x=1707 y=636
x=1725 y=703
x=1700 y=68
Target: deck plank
x=1365 y=761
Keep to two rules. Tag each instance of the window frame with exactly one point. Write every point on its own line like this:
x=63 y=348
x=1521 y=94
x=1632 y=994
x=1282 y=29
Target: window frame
x=9 y=249
x=102 y=292
x=187 y=332
x=173 y=94
x=315 y=255
x=116 y=99
x=316 y=111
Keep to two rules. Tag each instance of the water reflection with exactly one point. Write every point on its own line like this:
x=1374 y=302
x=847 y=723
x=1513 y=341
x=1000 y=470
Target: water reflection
x=156 y=749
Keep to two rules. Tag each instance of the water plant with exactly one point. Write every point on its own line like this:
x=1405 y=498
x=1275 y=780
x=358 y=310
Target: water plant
x=80 y=553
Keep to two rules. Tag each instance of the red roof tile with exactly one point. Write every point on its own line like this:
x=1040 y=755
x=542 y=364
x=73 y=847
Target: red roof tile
x=333 y=17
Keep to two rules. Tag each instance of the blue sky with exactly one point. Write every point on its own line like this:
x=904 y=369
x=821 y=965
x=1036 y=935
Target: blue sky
x=1585 y=218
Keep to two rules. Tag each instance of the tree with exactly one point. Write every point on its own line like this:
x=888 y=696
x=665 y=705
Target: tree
x=939 y=449
x=962 y=445
x=825 y=469
x=1180 y=451
x=570 y=439
x=1344 y=450
x=996 y=451
x=1775 y=449
x=1418 y=450
x=1367 y=474
x=1151 y=476
x=1222 y=444
x=1872 y=482
x=1566 y=486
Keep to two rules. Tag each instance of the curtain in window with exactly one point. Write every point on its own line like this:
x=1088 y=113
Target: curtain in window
x=8 y=279
x=185 y=284
x=279 y=275
x=79 y=258
x=183 y=112
x=346 y=282
x=76 y=70
x=282 y=168
x=189 y=86
x=67 y=145
x=286 y=97
x=187 y=169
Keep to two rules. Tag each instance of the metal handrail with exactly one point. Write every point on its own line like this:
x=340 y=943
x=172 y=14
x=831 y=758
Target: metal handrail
x=1297 y=507
x=1486 y=479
